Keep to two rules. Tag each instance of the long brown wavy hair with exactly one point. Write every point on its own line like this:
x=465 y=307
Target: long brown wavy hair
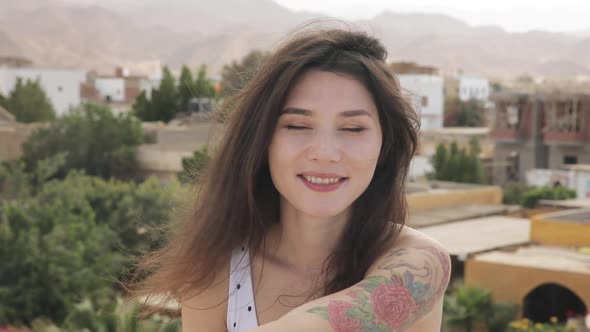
x=238 y=202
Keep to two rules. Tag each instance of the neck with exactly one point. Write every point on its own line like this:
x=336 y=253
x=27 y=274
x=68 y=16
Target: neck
x=302 y=242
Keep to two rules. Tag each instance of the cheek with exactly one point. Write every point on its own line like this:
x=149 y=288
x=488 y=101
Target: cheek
x=286 y=147
x=282 y=152
x=364 y=153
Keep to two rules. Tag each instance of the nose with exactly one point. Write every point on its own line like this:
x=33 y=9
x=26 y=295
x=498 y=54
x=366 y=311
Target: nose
x=324 y=147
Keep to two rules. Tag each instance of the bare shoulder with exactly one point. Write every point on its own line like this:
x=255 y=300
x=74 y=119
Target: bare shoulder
x=410 y=237
x=416 y=249
x=415 y=269
x=206 y=309
x=402 y=291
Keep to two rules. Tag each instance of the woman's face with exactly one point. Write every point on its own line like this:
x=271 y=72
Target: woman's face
x=326 y=144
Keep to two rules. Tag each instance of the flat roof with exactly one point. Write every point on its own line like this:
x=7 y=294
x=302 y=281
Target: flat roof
x=441 y=186
x=541 y=257
x=567 y=203
x=574 y=216
x=459 y=131
x=471 y=236
x=432 y=217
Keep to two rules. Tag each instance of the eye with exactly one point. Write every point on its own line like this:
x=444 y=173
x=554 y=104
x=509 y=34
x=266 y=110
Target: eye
x=354 y=130
x=291 y=127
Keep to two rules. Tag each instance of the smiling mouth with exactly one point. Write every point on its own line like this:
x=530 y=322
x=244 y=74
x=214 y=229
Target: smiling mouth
x=316 y=180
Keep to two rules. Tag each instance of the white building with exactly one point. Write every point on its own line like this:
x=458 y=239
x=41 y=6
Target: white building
x=426 y=93
x=473 y=87
x=110 y=89
x=62 y=86
x=420 y=167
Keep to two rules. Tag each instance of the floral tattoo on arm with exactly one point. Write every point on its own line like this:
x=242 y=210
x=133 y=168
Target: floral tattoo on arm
x=390 y=304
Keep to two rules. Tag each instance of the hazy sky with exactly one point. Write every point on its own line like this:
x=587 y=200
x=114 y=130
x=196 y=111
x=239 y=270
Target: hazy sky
x=512 y=15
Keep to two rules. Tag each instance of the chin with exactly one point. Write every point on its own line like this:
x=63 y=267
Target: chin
x=323 y=212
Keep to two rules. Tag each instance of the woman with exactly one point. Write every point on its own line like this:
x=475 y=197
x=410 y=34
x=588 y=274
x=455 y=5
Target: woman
x=300 y=222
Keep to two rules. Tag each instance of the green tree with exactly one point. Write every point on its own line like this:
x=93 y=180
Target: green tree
x=143 y=109
x=186 y=88
x=203 y=85
x=476 y=172
x=458 y=165
x=72 y=239
x=463 y=113
x=118 y=316
x=449 y=170
x=513 y=193
x=439 y=160
x=28 y=102
x=194 y=165
x=52 y=250
x=531 y=198
x=93 y=139
x=236 y=75
x=165 y=100
x=170 y=98
x=466 y=307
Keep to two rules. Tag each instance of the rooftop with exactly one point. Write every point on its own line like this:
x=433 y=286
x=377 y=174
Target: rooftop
x=567 y=203
x=438 y=216
x=439 y=186
x=412 y=68
x=541 y=257
x=575 y=216
x=471 y=236
x=513 y=96
x=458 y=131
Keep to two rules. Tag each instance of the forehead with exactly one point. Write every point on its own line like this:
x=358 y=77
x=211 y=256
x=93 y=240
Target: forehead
x=322 y=91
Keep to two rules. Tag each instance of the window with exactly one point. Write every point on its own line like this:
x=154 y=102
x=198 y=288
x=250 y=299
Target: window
x=570 y=160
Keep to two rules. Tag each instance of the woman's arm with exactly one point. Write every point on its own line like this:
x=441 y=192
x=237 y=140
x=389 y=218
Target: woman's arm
x=402 y=292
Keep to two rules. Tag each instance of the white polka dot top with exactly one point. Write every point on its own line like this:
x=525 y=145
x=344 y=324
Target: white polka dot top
x=241 y=311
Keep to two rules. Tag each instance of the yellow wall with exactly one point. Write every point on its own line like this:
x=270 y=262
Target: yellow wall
x=489 y=195
x=544 y=230
x=512 y=283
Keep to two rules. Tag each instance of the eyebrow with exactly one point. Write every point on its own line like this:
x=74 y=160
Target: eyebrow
x=346 y=114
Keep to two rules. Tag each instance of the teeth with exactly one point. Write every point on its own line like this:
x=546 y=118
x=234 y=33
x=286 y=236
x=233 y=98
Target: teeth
x=318 y=180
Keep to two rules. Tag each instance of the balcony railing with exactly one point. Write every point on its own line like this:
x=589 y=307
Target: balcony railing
x=507 y=133
x=564 y=136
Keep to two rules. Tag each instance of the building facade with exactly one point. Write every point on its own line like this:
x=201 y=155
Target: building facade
x=473 y=87
x=62 y=86
x=425 y=93
x=539 y=131
x=423 y=87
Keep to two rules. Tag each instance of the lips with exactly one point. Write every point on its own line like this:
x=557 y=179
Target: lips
x=322 y=182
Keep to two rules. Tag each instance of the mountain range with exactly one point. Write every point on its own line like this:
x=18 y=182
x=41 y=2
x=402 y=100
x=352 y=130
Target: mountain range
x=100 y=35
